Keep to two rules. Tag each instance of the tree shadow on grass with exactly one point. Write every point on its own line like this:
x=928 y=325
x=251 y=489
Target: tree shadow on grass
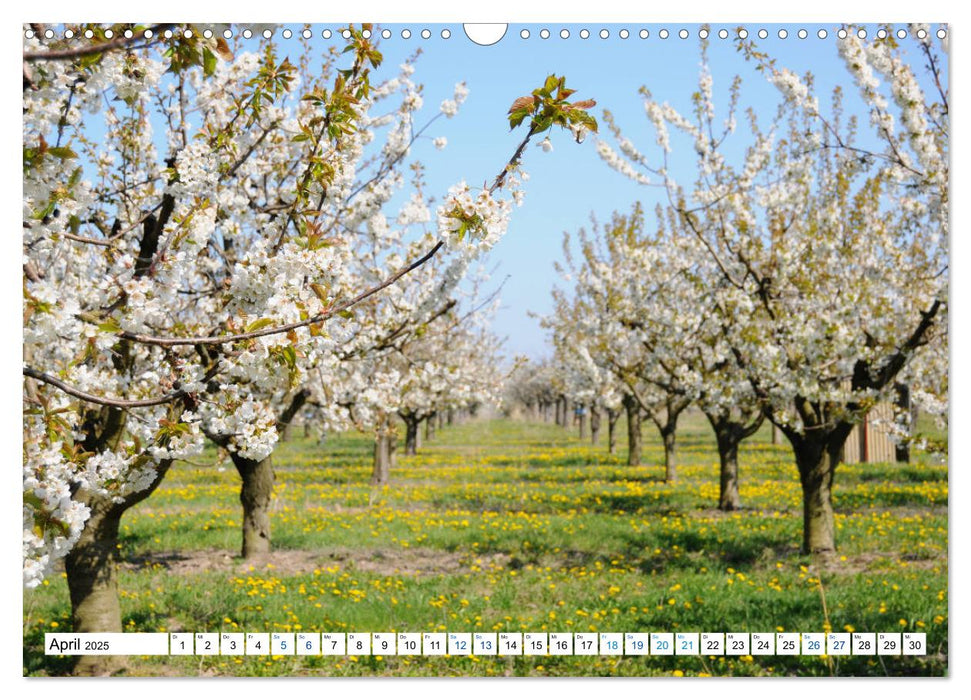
x=37 y=663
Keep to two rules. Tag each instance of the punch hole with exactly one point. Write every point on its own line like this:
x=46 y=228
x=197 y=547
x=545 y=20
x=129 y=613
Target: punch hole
x=148 y=34
x=822 y=33
x=426 y=34
x=683 y=34
x=643 y=34
x=564 y=33
x=129 y=33
x=802 y=34
x=722 y=33
x=783 y=33
x=743 y=33
x=941 y=33
x=227 y=34
x=524 y=34
x=287 y=34
x=861 y=33
x=207 y=34
x=446 y=33
x=488 y=34
x=901 y=33
x=405 y=33
x=544 y=34
x=68 y=33
x=49 y=34
x=306 y=33
x=247 y=34
x=366 y=33
x=386 y=34
x=663 y=33
x=703 y=33
x=584 y=33
x=763 y=34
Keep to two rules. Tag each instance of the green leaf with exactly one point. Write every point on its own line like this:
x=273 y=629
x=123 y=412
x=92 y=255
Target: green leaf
x=208 y=62
x=258 y=324
x=62 y=152
x=109 y=325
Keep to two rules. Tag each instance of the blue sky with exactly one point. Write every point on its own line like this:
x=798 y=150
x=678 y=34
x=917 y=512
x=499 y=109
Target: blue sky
x=571 y=183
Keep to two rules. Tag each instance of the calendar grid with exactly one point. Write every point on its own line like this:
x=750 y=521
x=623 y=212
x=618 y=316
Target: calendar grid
x=488 y=644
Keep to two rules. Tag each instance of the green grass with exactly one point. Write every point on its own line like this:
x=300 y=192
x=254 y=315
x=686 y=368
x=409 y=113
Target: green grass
x=510 y=526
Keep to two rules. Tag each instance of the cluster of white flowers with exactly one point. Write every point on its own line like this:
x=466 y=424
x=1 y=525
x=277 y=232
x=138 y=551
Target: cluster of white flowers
x=196 y=168
x=451 y=107
x=480 y=218
x=620 y=164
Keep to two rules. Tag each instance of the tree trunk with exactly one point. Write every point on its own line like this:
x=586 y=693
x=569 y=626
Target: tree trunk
x=728 y=498
x=384 y=457
x=729 y=434
x=91 y=570
x=817 y=454
x=255 y=495
x=306 y=429
x=612 y=417
x=412 y=436
x=558 y=419
x=430 y=428
x=669 y=436
x=902 y=451
x=776 y=435
x=594 y=425
x=582 y=420
x=441 y=420
x=92 y=580
x=451 y=416
x=633 y=431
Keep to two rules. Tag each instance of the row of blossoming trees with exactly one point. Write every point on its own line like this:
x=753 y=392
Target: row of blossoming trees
x=211 y=245
x=800 y=277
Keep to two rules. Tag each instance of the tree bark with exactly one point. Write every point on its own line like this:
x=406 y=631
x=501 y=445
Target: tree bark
x=612 y=417
x=441 y=420
x=728 y=498
x=451 y=416
x=430 y=428
x=582 y=420
x=92 y=581
x=667 y=424
x=559 y=412
x=817 y=453
x=902 y=451
x=91 y=570
x=633 y=430
x=255 y=495
x=729 y=433
x=594 y=425
x=412 y=437
x=384 y=456
x=669 y=437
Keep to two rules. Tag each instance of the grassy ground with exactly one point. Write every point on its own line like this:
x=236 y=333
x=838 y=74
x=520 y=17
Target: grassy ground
x=511 y=526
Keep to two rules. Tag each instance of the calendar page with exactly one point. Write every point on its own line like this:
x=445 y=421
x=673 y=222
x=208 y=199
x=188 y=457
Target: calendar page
x=542 y=349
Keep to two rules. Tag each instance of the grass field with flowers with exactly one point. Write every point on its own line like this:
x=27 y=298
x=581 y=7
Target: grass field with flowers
x=510 y=526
